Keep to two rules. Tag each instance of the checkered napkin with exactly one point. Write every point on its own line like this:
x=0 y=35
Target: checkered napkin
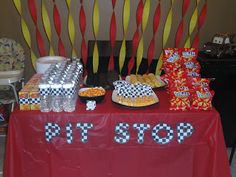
x=128 y=90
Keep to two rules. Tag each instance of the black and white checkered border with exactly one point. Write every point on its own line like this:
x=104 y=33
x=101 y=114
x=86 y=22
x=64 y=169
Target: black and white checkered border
x=184 y=130
x=57 y=91
x=45 y=92
x=69 y=133
x=84 y=130
x=51 y=130
x=34 y=100
x=24 y=101
x=122 y=135
x=141 y=129
x=133 y=90
x=164 y=140
x=70 y=91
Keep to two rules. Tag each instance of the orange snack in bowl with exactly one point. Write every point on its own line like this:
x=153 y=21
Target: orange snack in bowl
x=92 y=92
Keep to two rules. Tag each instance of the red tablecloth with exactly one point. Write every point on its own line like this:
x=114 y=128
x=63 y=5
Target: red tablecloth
x=202 y=153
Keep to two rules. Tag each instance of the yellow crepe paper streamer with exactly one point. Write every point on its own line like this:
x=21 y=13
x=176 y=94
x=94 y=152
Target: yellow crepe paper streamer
x=71 y=28
x=139 y=54
x=25 y=31
x=126 y=17
x=95 y=58
x=47 y=27
x=140 y=49
x=192 y=25
x=166 y=35
x=145 y=16
x=95 y=31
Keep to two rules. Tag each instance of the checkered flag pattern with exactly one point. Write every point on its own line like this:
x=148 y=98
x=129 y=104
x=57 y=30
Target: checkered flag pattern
x=57 y=91
x=70 y=91
x=184 y=130
x=128 y=90
x=122 y=134
x=84 y=130
x=44 y=92
x=167 y=138
x=141 y=129
x=69 y=133
x=34 y=100
x=51 y=130
x=24 y=101
x=120 y=84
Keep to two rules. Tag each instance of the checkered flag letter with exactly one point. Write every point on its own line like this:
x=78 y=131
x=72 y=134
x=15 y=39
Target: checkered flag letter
x=122 y=134
x=51 y=130
x=141 y=129
x=167 y=138
x=69 y=133
x=184 y=130
x=84 y=130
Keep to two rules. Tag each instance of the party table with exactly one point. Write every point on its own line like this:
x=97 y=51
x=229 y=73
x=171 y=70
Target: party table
x=116 y=141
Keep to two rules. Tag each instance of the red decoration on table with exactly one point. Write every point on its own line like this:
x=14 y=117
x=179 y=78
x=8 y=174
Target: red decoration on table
x=201 y=155
x=57 y=24
x=179 y=33
x=39 y=39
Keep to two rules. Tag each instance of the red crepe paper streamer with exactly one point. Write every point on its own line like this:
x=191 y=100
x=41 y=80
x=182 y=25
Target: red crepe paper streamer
x=39 y=39
x=135 y=40
x=82 y=25
x=179 y=33
x=201 y=21
x=112 y=37
x=156 y=22
x=57 y=24
x=113 y=3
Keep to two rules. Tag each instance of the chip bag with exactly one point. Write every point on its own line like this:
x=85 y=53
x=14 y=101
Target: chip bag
x=171 y=60
x=201 y=98
x=180 y=100
x=189 y=54
x=196 y=82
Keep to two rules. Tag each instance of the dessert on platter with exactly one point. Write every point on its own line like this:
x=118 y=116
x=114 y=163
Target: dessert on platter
x=148 y=79
x=133 y=95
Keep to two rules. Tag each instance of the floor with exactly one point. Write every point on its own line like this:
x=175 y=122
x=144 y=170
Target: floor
x=2 y=148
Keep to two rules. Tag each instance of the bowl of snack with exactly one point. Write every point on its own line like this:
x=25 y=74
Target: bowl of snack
x=92 y=94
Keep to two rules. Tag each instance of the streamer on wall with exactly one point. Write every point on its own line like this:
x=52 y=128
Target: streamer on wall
x=48 y=32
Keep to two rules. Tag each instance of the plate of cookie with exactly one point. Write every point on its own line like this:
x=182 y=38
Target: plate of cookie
x=147 y=79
